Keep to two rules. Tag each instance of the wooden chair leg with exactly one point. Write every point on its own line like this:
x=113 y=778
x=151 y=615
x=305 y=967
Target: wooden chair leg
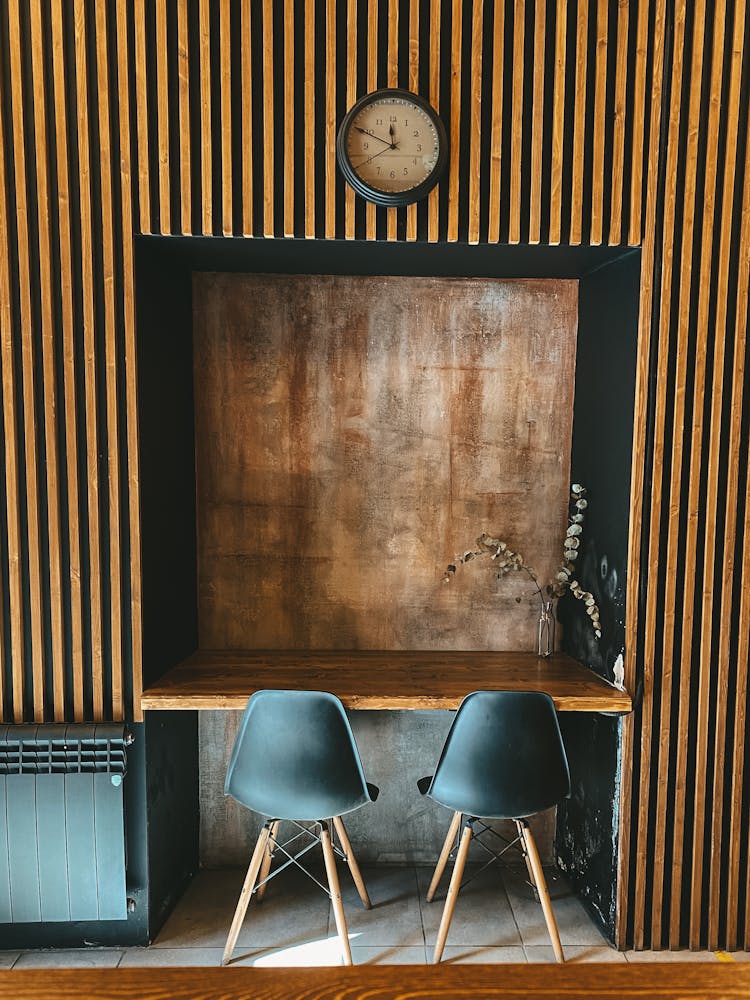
x=455 y=885
x=265 y=866
x=247 y=889
x=351 y=860
x=335 y=890
x=450 y=839
x=541 y=887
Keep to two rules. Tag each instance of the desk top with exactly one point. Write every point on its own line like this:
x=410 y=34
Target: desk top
x=373 y=679
x=596 y=981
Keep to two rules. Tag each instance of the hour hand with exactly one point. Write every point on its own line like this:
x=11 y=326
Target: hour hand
x=372 y=135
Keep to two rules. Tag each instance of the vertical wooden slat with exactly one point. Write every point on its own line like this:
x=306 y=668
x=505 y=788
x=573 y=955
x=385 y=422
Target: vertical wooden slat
x=372 y=83
x=110 y=365
x=682 y=736
x=162 y=116
x=618 y=148
x=519 y=13
x=141 y=111
x=13 y=711
x=247 y=119
x=225 y=81
x=90 y=353
x=433 y=199
x=131 y=420
x=600 y=96
x=475 y=113
x=639 y=121
x=27 y=364
x=288 y=117
x=411 y=211
x=496 y=135
x=455 y=122
x=392 y=59
x=732 y=166
x=330 y=147
x=649 y=655
x=268 y=112
x=638 y=481
x=310 y=119
x=351 y=97
x=558 y=122
x=183 y=83
x=579 y=123
x=698 y=901
x=204 y=61
x=49 y=388
x=537 y=122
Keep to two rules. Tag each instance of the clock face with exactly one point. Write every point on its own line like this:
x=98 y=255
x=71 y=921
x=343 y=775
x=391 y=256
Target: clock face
x=391 y=147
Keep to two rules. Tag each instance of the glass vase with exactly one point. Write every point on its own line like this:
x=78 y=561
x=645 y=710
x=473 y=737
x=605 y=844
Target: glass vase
x=546 y=634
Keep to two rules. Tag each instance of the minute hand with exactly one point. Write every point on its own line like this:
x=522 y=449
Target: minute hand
x=371 y=134
x=364 y=162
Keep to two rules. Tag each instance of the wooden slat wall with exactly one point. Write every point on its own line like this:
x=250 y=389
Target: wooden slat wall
x=571 y=121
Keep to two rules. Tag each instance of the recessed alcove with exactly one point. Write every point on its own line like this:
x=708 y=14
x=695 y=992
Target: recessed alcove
x=205 y=309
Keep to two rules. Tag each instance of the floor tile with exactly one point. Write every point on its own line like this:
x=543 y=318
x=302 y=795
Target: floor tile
x=135 y=958
x=293 y=911
x=394 y=919
x=740 y=956
x=388 y=955
x=574 y=924
x=670 y=956
x=78 y=958
x=323 y=951
x=575 y=953
x=7 y=958
x=473 y=954
x=483 y=915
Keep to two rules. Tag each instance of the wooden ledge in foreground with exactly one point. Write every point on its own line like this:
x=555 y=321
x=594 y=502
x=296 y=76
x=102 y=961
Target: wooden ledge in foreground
x=594 y=981
x=374 y=679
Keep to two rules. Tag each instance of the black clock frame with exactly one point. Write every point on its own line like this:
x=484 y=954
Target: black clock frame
x=388 y=199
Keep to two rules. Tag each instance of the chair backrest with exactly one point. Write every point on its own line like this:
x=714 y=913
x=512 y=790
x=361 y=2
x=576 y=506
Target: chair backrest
x=295 y=757
x=503 y=757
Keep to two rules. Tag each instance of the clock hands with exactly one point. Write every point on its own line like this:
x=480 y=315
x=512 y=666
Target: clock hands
x=376 y=155
x=371 y=134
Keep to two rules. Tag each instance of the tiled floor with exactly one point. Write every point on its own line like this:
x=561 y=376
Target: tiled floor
x=494 y=921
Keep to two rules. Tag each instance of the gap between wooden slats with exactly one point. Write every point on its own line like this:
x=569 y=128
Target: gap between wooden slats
x=204 y=63
x=519 y=13
x=162 y=115
x=600 y=107
x=433 y=199
x=392 y=60
x=351 y=97
x=183 y=84
x=131 y=405
x=639 y=121
x=706 y=665
x=537 y=122
x=141 y=111
x=650 y=625
x=14 y=709
x=27 y=366
x=411 y=211
x=558 y=122
x=496 y=133
x=268 y=112
x=682 y=739
x=225 y=81
x=330 y=121
x=579 y=123
x=247 y=119
x=111 y=366
x=310 y=119
x=737 y=831
x=54 y=700
x=618 y=148
x=372 y=83
x=89 y=367
x=475 y=115
x=288 y=117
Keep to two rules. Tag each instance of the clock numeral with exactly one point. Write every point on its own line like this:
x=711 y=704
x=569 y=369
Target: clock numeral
x=406 y=171
x=416 y=133
x=365 y=145
x=406 y=121
x=419 y=147
x=378 y=121
x=392 y=174
x=414 y=161
x=392 y=118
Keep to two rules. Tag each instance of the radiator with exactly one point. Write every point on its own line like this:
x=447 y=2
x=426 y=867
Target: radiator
x=62 y=828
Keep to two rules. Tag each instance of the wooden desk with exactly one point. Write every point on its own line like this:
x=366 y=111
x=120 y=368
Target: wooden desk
x=411 y=679
x=596 y=981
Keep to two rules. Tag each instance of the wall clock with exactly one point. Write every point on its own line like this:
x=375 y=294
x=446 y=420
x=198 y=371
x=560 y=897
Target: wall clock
x=392 y=147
